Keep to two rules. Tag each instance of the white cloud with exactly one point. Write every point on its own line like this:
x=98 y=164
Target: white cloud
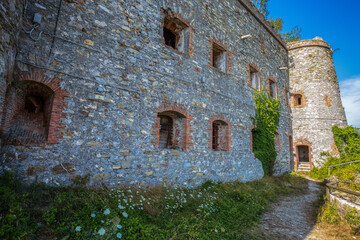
x=350 y=95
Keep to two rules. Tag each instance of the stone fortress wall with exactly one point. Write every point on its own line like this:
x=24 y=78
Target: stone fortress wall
x=135 y=92
x=313 y=80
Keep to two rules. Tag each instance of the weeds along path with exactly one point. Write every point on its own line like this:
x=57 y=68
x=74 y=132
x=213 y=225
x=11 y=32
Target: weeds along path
x=293 y=217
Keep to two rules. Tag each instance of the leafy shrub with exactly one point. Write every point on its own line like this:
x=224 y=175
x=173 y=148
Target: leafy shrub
x=328 y=213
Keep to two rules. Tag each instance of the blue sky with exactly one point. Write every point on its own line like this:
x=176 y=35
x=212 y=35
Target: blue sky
x=338 y=23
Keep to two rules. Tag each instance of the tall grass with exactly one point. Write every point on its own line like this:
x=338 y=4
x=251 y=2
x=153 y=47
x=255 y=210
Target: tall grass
x=211 y=211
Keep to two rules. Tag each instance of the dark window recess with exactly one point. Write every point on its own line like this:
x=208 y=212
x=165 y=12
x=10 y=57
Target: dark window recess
x=272 y=88
x=215 y=140
x=219 y=55
x=170 y=38
x=254 y=78
x=172 y=130
x=29 y=115
x=303 y=153
x=176 y=34
x=219 y=136
x=166 y=132
x=298 y=101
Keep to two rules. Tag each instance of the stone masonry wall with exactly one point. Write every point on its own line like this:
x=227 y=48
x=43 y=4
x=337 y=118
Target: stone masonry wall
x=10 y=25
x=312 y=74
x=111 y=59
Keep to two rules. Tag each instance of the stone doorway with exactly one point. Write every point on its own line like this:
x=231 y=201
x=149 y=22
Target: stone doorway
x=303 y=154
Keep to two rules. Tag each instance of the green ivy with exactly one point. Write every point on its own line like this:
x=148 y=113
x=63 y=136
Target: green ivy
x=266 y=121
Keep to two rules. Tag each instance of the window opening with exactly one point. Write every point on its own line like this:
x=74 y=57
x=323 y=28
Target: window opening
x=254 y=78
x=166 y=132
x=298 y=100
x=176 y=34
x=219 y=136
x=272 y=88
x=219 y=57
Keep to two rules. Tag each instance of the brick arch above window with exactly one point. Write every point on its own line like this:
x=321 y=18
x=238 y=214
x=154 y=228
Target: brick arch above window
x=183 y=139
x=223 y=138
x=40 y=86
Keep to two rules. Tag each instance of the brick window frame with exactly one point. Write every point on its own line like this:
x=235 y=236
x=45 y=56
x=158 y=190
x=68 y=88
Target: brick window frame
x=58 y=103
x=294 y=100
x=212 y=43
x=176 y=18
x=253 y=69
x=278 y=141
x=270 y=81
x=186 y=138
x=302 y=142
x=226 y=145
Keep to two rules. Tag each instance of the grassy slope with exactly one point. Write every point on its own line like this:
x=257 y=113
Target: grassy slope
x=348 y=142
x=212 y=211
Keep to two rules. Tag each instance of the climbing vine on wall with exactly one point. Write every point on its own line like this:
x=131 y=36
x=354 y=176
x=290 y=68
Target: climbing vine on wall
x=266 y=121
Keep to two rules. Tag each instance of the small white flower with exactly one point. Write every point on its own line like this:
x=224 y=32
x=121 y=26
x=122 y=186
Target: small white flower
x=107 y=211
x=78 y=229
x=125 y=214
x=102 y=231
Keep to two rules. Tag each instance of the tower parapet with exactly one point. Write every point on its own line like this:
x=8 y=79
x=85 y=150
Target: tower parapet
x=315 y=100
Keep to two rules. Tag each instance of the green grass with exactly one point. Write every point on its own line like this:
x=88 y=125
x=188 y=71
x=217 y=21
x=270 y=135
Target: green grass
x=211 y=211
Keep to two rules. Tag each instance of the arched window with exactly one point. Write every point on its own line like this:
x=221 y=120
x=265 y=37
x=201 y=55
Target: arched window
x=220 y=134
x=172 y=130
x=27 y=120
x=298 y=100
x=33 y=110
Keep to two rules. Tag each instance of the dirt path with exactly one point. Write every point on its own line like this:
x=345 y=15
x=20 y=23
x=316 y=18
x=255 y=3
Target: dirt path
x=294 y=218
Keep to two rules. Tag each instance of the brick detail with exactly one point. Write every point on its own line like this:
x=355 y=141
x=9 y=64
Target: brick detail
x=78 y=1
x=293 y=99
x=211 y=64
x=303 y=142
x=225 y=141
x=249 y=70
x=58 y=103
x=278 y=141
x=186 y=138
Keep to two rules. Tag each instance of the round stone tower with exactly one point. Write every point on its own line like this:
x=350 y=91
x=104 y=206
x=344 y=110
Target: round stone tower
x=315 y=101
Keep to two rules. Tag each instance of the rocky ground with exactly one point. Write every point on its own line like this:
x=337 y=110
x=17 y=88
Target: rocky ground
x=294 y=218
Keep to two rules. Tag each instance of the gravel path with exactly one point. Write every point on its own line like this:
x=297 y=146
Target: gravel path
x=292 y=218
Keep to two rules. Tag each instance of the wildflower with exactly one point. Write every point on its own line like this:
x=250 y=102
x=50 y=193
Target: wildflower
x=102 y=221
x=93 y=215
x=119 y=226
x=78 y=229
x=125 y=214
x=119 y=235
x=101 y=231
x=107 y=211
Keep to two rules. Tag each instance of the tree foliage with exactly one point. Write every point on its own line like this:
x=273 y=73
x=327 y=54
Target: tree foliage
x=266 y=121
x=278 y=23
